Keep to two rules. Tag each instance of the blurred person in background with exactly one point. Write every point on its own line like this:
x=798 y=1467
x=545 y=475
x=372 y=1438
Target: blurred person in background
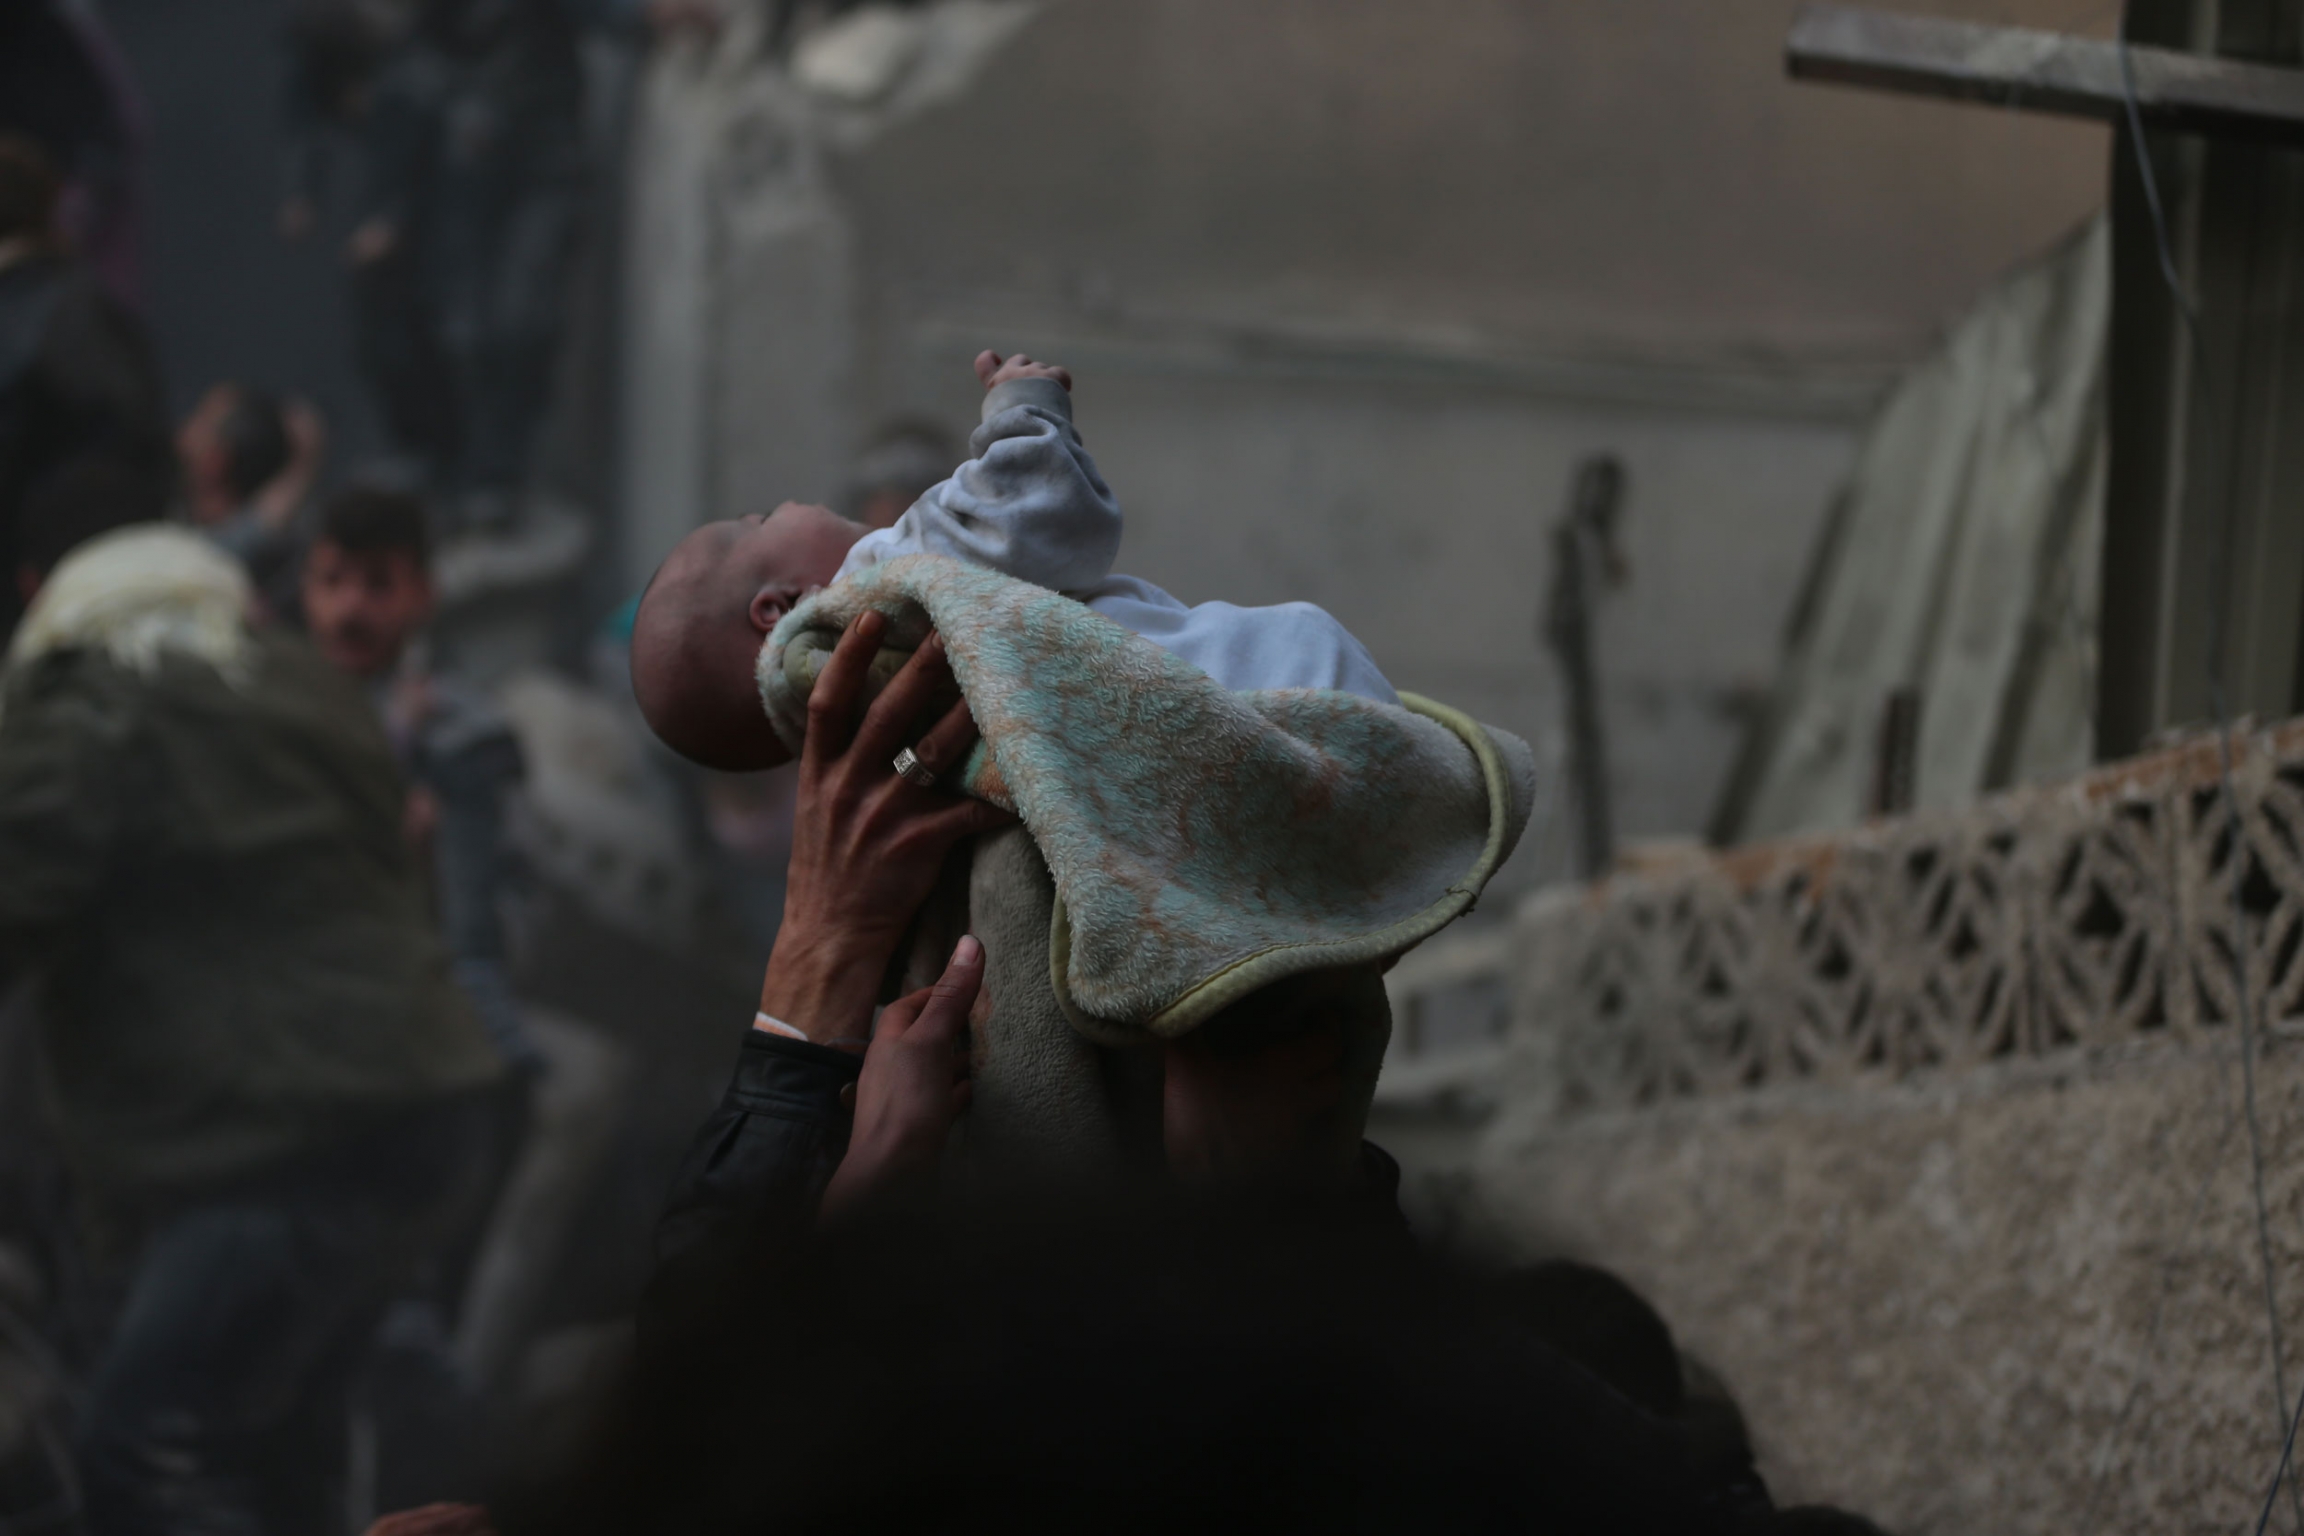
x=477 y=170
x=334 y=50
x=367 y=596
x=270 y=1090
x=901 y=462
x=249 y=461
x=338 y=52
x=77 y=376
x=49 y=1318
x=65 y=87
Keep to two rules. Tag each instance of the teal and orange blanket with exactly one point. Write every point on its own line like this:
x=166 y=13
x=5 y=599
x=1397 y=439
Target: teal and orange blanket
x=1204 y=843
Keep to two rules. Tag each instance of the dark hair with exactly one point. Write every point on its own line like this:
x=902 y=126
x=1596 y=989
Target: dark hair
x=366 y=520
x=254 y=432
x=29 y=188
x=80 y=500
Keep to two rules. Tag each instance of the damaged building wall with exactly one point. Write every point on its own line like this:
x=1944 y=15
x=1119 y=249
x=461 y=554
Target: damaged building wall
x=1961 y=569
x=1929 y=1138
x=1351 y=289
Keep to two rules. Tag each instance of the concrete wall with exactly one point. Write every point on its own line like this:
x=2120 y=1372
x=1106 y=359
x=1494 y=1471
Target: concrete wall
x=1930 y=1138
x=2024 y=1300
x=1352 y=286
x=1629 y=174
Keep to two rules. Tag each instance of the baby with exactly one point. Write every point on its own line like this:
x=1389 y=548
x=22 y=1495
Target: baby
x=1030 y=504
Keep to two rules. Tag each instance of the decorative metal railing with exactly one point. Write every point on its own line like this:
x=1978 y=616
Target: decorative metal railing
x=2087 y=913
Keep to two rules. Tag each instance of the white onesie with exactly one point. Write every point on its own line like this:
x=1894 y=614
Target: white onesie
x=1031 y=505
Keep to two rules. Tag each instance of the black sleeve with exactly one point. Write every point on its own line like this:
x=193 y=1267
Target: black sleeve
x=753 y=1178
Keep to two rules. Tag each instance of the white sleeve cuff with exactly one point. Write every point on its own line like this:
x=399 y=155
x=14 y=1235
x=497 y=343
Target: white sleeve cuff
x=776 y=1026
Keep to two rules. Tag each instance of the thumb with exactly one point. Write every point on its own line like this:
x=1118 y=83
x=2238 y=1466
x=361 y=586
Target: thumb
x=946 y=1013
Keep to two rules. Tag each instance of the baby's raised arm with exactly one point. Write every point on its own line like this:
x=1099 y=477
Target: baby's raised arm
x=1029 y=504
x=993 y=370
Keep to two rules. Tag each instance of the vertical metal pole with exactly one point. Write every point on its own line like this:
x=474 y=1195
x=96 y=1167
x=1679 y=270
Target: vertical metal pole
x=1896 y=754
x=1581 y=540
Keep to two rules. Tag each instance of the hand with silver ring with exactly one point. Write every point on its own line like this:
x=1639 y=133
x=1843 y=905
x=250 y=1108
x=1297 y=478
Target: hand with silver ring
x=911 y=770
x=867 y=846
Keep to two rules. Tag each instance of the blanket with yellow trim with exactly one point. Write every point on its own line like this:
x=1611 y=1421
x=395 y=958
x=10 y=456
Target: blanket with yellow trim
x=1204 y=843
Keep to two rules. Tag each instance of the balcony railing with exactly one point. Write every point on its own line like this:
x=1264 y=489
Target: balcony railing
x=2092 y=913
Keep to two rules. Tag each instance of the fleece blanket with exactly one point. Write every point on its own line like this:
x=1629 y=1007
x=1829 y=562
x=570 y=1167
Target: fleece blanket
x=1045 y=1097
x=1203 y=844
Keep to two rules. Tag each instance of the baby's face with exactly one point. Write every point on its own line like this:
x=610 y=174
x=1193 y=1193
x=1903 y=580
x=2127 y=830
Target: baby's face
x=700 y=627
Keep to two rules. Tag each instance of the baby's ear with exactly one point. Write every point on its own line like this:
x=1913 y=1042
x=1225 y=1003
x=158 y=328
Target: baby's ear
x=769 y=605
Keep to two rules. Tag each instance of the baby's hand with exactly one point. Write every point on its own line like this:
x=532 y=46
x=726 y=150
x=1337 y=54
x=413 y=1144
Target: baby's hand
x=992 y=369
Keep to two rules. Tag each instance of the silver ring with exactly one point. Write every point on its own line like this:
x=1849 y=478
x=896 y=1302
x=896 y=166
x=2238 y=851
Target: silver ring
x=913 y=771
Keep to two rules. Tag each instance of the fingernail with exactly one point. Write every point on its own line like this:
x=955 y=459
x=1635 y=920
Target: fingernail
x=968 y=951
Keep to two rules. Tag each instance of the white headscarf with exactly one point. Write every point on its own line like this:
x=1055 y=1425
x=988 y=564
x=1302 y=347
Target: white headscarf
x=140 y=592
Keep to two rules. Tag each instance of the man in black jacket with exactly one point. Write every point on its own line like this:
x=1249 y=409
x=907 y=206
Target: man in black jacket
x=840 y=1340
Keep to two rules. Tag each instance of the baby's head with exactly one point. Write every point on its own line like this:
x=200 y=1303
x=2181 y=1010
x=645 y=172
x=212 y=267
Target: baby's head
x=703 y=618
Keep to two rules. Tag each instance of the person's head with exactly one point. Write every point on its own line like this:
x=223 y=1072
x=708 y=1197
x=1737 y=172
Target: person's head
x=73 y=504
x=1274 y=1091
x=29 y=188
x=697 y=636
x=368 y=579
x=897 y=467
x=233 y=443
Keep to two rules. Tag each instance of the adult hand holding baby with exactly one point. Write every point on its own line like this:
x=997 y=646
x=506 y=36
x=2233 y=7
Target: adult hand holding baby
x=867 y=847
x=867 y=843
